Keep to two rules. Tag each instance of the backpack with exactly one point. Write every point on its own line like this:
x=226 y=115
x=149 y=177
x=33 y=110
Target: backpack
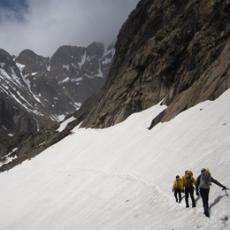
x=188 y=181
x=205 y=180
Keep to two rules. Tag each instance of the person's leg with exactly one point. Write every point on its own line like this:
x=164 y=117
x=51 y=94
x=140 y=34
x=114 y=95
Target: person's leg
x=206 y=205
x=179 y=193
x=204 y=193
x=175 y=194
x=186 y=197
x=192 y=197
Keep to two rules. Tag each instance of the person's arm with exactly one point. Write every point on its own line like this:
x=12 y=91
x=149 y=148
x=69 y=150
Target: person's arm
x=217 y=183
x=197 y=185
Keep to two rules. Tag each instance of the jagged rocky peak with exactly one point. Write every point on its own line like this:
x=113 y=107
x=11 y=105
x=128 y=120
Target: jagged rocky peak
x=9 y=72
x=64 y=81
x=176 y=51
x=95 y=49
x=7 y=63
x=74 y=60
x=67 y=55
x=5 y=56
x=74 y=54
x=32 y=62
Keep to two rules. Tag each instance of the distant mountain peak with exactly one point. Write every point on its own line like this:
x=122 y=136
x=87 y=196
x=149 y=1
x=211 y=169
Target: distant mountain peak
x=44 y=90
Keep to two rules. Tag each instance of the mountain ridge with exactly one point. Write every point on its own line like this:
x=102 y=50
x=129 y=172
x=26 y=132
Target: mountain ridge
x=170 y=51
x=37 y=92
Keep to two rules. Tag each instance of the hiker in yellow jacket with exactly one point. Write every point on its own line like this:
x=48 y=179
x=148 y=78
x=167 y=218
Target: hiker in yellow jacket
x=178 y=188
x=189 y=182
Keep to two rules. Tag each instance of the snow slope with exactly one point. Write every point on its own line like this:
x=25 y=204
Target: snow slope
x=120 y=178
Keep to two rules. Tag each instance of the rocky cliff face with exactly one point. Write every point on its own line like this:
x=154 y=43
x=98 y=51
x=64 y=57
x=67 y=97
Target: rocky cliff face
x=176 y=52
x=68 y=78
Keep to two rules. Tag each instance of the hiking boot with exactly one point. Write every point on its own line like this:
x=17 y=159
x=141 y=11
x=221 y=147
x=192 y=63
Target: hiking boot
x=206 y=213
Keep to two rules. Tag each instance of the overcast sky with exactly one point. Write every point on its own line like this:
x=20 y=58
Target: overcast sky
x=44 y=25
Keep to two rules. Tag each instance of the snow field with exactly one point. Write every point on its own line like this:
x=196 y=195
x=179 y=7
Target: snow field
x=120 y=178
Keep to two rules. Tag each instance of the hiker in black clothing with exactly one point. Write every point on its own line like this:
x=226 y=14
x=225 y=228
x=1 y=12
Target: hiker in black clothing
x=188 y=182
x=203 y=186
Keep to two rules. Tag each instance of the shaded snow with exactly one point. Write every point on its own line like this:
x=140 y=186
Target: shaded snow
x=58 y=118
x=65 y=80
x=78 y=79
x=34 y=73
x=77 y=105
x=83 y=60
x=120 y=178
x=100 y=73
x=27 y=81
x=106 y=61
x=20 y=66
x=66 y=67
x=11 y=85
x=48 y=68
x=7 y=160
x=64 y=124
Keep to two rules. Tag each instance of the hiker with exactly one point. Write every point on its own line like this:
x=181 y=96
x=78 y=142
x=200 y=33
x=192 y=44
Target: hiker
x=178 y=188
x=203 y=186
x=188 y=182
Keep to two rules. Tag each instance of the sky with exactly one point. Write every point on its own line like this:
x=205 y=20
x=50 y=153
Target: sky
x=44 y=25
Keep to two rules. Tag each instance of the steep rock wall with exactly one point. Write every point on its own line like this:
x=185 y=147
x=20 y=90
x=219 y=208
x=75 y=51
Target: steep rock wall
x=174 y=51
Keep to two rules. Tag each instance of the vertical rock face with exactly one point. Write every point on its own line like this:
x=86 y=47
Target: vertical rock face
x=175 y=51
x=33 y=62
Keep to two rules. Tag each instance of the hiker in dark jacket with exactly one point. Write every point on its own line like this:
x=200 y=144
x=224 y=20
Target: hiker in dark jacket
x=188 y=183
x=203 y=186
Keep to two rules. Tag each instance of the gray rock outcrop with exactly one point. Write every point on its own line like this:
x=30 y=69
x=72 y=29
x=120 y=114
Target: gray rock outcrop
x=171 y=51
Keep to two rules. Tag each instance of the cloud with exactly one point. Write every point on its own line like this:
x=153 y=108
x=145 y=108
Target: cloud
x=13 y=10
x=48 y=24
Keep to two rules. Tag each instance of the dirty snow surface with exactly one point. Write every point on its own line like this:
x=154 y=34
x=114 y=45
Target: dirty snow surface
x=120 y=178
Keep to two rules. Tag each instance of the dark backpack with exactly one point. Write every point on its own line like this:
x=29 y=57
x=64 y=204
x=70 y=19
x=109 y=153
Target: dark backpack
x=188 y=181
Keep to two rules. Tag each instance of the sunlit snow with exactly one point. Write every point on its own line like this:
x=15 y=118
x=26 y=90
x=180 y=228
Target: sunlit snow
x=120 y=178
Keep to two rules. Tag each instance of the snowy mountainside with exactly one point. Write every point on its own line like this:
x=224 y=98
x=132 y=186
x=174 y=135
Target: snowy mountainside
x=14 y=85
x=64 y=81
x=21 y=112
x=120 y=177
x=37 y=92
